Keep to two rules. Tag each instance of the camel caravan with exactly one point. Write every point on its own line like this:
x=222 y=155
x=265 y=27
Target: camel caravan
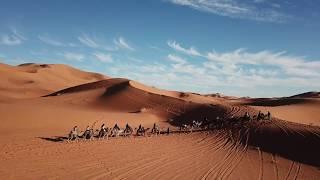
x=105 y=132
x=116 y=131
x=258 y=117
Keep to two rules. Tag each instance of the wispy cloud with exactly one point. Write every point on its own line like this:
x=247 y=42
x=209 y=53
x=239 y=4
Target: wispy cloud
x=232 y=62
x=190 y=51
x=289 y=65
x=88 y=41
x=107 y=58
x=95 y=42
x=51 y=41
x=14 y=38
x=73 y=56
x=176 y=59
x=236 y=9
x=247 y=71
x=122 y=43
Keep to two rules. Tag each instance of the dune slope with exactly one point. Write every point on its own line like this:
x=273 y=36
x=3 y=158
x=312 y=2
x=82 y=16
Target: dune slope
x=34 y=80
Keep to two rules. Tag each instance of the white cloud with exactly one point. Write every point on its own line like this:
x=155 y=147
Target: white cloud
x=122 y=43
x=290 y=65
x=49 y=40
x=231 y=62
x=188 y=69
x=176 y=59
x=18 y=34
x=247 y=71
x=95 y=43
x=15 y=38
x=176 y=46
x=10 y=40
x=235 y=9
x=73 y=56
x=88 y=41
x=107 y=58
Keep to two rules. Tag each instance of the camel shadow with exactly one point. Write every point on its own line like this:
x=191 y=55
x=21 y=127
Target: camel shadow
x=135 y=112
x=54 y=139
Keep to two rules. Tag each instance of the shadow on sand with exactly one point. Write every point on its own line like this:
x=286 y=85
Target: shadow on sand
x=276 y=102
x=54 y=139
x=295 y=143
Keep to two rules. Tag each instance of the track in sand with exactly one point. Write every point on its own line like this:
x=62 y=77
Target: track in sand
x=273 y=149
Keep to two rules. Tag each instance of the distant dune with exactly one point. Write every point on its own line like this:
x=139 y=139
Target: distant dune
x=307 y=95
x=39 y=103
x=301 y=108
x=34 y=80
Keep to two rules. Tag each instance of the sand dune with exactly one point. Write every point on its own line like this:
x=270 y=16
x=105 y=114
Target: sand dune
x=307 y=95
x=302 y=109
x=31 y=147
x=34 y=80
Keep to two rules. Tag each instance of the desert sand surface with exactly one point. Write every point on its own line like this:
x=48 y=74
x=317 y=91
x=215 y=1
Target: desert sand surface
x=302 y=108
x=36 y=117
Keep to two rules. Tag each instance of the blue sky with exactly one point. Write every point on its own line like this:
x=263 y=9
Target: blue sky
x=259 y=48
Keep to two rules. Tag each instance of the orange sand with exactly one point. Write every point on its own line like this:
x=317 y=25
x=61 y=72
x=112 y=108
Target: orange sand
x=29 y=123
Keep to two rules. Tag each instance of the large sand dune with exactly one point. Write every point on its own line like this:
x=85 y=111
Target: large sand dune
x=32 y=147
x=34 y=80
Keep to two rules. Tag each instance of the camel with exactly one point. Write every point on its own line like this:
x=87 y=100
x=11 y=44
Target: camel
x=262 y=116
x=247 y=117
x=196 y=124
x=141 y=131
x=103 y=132
x=116 y=131
x=156 y=129
x=268 y=115
x=73 y=134
x=88 y=133
x=128 y=130
x=184 y=127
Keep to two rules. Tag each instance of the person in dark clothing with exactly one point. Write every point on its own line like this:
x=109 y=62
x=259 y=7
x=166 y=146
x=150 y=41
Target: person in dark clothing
x=88 y=133
x=128 y=130
x=269 y=115
x=247 y=116
x=103 y=131
x=116 y=127
x=259 y=116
